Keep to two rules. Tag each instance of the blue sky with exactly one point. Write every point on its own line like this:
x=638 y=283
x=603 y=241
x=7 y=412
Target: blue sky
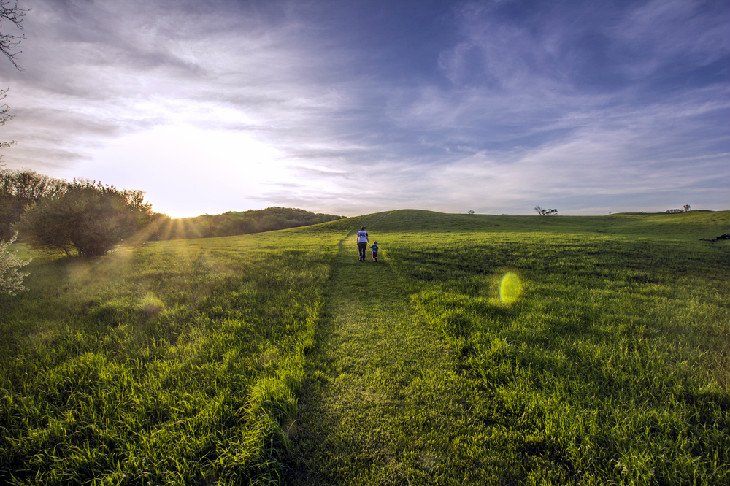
x=355 y=107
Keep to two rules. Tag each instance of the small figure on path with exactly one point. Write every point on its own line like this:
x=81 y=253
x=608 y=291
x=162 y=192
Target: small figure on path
x=375 y=251
x=362 y=243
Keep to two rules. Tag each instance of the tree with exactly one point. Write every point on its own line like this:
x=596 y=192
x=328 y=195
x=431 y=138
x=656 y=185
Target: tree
x=10 y=13
x=11 y=278
x=545 y=212
x=471 y=211
x=5 y=116
x=687 y=207
x=87 y=216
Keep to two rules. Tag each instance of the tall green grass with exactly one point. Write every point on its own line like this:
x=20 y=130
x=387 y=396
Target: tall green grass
x=612 y=367
x=178 y=362
x=184 y=361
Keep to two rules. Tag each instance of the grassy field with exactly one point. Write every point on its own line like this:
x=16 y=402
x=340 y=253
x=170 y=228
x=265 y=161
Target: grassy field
x=175 y=363
x=480 y=350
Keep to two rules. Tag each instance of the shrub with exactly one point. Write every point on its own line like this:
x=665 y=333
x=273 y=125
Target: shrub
x=87 y=216
x=11 y=278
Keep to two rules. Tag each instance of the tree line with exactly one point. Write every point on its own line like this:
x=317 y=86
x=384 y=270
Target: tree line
x=89 y=217
x=235 y=223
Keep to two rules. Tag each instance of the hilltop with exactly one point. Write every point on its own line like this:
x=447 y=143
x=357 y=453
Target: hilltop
x=700 y=224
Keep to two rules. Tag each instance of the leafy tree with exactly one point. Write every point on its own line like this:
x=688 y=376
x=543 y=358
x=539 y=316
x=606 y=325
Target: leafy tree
x=87 y=216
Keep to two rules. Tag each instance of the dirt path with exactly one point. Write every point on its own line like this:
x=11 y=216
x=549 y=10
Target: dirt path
x=380 y=395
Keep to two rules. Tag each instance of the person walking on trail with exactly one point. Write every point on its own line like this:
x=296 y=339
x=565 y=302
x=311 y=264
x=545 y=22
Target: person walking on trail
x=362 y=243
x=375 y=251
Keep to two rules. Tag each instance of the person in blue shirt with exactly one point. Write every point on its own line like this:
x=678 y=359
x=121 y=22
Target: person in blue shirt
x=375 y=251
x=362 y=243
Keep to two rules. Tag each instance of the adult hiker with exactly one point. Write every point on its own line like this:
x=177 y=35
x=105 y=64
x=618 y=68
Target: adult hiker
x=362 y=243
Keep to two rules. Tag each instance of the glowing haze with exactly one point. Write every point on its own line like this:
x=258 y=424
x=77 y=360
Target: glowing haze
x=351 y=107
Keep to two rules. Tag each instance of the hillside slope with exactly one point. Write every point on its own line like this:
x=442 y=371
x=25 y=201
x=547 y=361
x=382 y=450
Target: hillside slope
x=699 y=224
x=236 y=223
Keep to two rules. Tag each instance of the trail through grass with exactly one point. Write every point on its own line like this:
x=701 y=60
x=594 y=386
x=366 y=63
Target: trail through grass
x=382 y=387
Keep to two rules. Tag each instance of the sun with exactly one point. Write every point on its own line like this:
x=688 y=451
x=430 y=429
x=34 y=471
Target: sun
x=187 y=170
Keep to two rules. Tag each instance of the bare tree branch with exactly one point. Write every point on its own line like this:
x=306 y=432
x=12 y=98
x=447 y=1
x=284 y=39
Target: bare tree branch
x=4 y=108
x=5 y=115
x=11 y=13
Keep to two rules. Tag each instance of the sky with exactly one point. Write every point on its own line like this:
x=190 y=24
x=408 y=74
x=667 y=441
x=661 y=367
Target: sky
x=353 y=107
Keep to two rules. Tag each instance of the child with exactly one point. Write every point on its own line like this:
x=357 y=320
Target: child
x=375 y=251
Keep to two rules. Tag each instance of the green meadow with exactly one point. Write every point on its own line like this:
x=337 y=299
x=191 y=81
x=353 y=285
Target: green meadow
x=479 y=350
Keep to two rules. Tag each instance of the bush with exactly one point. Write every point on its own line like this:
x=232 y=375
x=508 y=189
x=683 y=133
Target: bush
x=19 y=190
x=11 y=278
x=87 y=216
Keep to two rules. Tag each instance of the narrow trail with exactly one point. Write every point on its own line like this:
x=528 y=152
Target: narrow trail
x=380 y=389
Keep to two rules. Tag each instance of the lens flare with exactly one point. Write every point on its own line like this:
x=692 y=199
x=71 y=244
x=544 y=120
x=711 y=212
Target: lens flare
x=510 y=289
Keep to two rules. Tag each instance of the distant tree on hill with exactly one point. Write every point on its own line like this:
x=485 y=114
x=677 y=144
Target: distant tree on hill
x=687 y=207
x=545 y=212
x=471 y=211
x=87 y=216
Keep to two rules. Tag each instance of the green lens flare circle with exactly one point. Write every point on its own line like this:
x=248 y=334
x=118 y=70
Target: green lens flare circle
x=510 y=288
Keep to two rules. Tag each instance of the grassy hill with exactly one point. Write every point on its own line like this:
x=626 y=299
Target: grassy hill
x=691 y=224
x=236 y=223
x=481 y=349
